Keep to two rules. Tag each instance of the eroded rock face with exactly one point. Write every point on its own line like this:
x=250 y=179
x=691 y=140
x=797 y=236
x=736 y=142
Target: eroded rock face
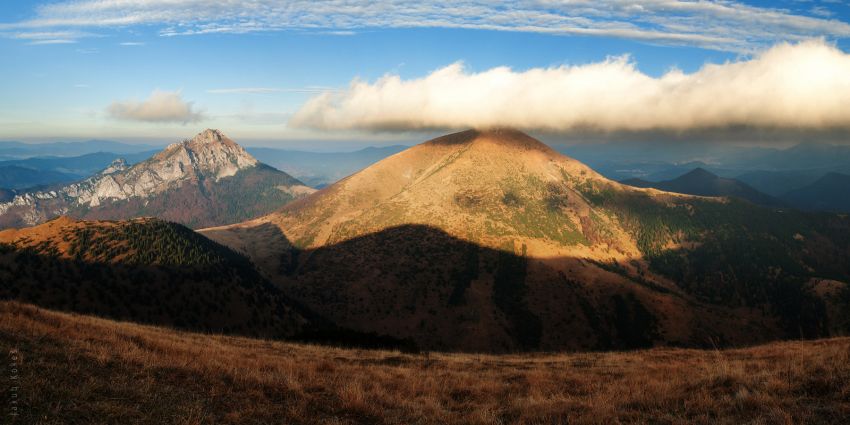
x=210 y=155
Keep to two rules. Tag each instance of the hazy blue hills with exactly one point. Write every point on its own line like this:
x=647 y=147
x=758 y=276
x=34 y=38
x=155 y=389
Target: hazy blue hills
x=829 y=193
x=50 y=170
x=704 y=183
x=318 y=169
x=19 y=150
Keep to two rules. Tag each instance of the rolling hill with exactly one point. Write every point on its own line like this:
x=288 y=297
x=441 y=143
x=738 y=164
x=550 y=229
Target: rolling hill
x=491 y=241
x=143 y=270
x=204 y=181
x=703 y=183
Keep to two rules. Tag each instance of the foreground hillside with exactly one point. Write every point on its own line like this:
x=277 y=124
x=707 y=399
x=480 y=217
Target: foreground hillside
x=110 y=372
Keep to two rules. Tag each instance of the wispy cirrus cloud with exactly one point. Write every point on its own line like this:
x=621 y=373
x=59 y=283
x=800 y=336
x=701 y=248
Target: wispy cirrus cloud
x=721 y=25
x=160 y=107
x=790 y=86
x=48 y=37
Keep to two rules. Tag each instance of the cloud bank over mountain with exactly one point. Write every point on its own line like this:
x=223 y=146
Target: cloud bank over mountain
x=789 y=86
x=161 y=107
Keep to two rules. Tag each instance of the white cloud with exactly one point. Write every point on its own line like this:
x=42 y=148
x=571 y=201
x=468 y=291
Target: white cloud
x=48 y=37
x=53 y=41
x=132 y=43
x=721 y=24
x=803 y=85
x=161 y=106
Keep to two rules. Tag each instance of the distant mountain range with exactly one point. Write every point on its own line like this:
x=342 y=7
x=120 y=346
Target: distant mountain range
x=204 y=181
x=17 y=150
x=703 y=183
x=319 y=169
x=829 y=193
x=768 y=170
x=51 y=170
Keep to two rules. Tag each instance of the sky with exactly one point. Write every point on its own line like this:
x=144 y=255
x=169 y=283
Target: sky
x=307 y=73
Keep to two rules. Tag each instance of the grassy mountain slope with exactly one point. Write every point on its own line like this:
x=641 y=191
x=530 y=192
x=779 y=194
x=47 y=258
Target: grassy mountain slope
x=107 y=372
x=490 y=240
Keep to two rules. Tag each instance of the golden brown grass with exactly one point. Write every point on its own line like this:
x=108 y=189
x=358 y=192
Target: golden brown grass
x=78 y=369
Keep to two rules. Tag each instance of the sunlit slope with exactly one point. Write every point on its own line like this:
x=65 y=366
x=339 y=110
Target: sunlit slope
x=490 y=240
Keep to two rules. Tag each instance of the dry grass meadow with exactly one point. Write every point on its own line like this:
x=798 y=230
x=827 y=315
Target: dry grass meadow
x=78 y=369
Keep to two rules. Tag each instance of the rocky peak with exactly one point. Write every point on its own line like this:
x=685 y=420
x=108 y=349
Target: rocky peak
x=210 y=152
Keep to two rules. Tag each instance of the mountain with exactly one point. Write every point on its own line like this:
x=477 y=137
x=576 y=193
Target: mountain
x=204 y=181
x=829 y=193
x=492 y=241
x=319 y=169
x=703 y=183
x=143 y=270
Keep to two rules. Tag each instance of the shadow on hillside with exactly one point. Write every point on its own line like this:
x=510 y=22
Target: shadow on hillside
x=420 y=284
x=416 y=287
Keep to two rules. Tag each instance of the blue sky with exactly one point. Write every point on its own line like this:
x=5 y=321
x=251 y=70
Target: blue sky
x=92 y=68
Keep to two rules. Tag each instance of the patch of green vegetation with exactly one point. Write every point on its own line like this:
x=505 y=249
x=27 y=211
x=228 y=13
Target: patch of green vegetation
x=533 y=208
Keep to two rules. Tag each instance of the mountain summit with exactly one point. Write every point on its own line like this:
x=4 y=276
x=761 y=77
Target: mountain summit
x=490 y=240
x=197 y=182
x=210 y=153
